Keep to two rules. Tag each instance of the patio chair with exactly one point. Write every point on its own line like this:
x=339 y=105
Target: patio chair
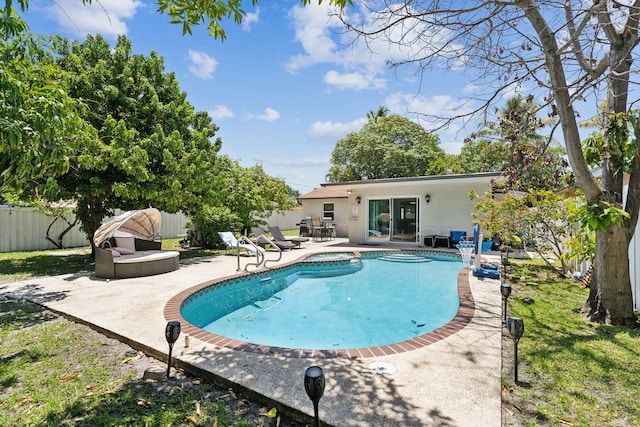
x=316 y=226
x=455 y=238
x=277 y=234
x=282 y=244
x=232 y=243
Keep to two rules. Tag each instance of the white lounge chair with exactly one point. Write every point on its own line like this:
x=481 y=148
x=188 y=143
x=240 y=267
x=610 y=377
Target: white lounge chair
x=232 y=243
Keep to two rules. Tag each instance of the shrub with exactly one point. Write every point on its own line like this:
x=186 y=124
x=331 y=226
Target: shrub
x=209 y=220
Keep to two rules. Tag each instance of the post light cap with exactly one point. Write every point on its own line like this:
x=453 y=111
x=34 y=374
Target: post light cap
x=505 y=289
x=314 y=383
x=172 y=331
x=515 y=326
x=314 y=372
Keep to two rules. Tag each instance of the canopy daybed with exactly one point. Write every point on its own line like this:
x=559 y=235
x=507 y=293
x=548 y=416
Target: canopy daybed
x=125 y=246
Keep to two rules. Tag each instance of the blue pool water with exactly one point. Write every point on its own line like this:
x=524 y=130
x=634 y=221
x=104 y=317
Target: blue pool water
x=378 y=300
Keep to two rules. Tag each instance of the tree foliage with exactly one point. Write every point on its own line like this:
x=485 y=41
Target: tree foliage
x=41 y=125
x=243 y=198
x=386 y=147
x=562 y=51
x=153 y=148
x=514 y=145
x=538 y=220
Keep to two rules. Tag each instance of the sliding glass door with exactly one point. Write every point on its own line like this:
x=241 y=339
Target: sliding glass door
x=394 y=219
x=379 y=220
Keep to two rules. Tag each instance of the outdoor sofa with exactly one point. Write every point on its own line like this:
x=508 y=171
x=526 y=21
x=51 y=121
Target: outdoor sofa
x=122 y=257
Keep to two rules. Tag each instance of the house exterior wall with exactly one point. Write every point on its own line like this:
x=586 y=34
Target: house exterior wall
x=449 y=207
x=314 y=207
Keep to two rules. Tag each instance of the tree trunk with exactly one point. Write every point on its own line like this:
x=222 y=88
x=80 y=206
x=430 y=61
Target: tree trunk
x=610 y=299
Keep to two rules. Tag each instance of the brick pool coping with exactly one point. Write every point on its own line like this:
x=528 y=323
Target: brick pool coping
x=461 y=319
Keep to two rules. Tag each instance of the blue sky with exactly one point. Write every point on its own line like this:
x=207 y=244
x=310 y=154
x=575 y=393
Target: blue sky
x=283 y=87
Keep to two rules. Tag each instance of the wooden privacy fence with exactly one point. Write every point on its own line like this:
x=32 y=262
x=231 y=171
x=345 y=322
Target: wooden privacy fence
x=25 y=229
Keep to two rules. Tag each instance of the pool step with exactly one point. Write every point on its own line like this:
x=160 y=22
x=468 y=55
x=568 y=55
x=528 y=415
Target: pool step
x=405 y=258
x=268 y=303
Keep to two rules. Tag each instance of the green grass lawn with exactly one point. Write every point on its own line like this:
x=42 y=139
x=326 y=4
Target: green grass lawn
x=571 y=372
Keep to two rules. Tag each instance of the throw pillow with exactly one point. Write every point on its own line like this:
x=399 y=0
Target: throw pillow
x=126 y=242
x=123 y=251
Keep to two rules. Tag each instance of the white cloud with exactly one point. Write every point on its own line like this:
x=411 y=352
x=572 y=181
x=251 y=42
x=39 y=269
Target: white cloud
x=312 y=25
x=202 y=65
x=250 y=19
x=221 y=112
x=357 y=81
x=106 y=17
x=269 y=115
x=330 y=132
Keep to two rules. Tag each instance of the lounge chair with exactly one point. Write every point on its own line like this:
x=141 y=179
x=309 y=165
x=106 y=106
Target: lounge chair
x=282 y=244
x=232 y=243
x=277 y=234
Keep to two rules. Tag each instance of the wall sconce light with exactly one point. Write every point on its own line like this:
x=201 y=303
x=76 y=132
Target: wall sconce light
x=427 y=198
x=358 y=199
x=349 y=192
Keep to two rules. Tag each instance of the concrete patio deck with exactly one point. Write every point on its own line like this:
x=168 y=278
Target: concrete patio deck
x=452 y=382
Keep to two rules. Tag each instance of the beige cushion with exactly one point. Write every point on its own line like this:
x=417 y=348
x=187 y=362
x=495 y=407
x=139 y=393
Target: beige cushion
x=123 y=251
x=127 y=243
x=114 y=252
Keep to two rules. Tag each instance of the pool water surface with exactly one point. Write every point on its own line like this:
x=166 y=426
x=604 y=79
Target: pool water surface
x=375 y=300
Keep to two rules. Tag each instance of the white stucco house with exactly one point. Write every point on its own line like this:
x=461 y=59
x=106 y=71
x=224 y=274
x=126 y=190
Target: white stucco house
x=402 y=210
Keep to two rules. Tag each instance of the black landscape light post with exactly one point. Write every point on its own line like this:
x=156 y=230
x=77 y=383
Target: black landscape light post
x=314 y=386
x=171 y=333
x=505 y=290
x=515 y=325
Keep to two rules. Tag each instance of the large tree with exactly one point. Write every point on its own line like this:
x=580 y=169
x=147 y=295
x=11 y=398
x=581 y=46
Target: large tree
x=142 y=144
x=564 y=51
x=386 y=147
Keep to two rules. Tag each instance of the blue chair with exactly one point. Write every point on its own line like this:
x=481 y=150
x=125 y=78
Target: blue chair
x=455 y=237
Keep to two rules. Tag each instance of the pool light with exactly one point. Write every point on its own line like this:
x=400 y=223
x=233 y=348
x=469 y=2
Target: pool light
x=171 y=333
x=515 y=325
x=314 y=386
x=505 y=290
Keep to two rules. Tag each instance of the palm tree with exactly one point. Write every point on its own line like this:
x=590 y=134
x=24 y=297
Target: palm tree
x=374 y=116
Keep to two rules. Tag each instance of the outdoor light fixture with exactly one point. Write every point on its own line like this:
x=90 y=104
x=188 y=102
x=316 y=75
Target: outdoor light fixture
x=358 y=199
x=427 y=198
x=349 y=192
x=515 y=326
x=314 y=386
x=171 y=333
x=505 y=290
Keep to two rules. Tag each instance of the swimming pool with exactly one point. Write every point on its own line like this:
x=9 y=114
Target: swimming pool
x=374 y=300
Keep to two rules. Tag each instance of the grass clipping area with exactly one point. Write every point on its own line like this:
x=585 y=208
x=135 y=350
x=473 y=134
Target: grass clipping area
x=55 y=372
x=571 y=372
